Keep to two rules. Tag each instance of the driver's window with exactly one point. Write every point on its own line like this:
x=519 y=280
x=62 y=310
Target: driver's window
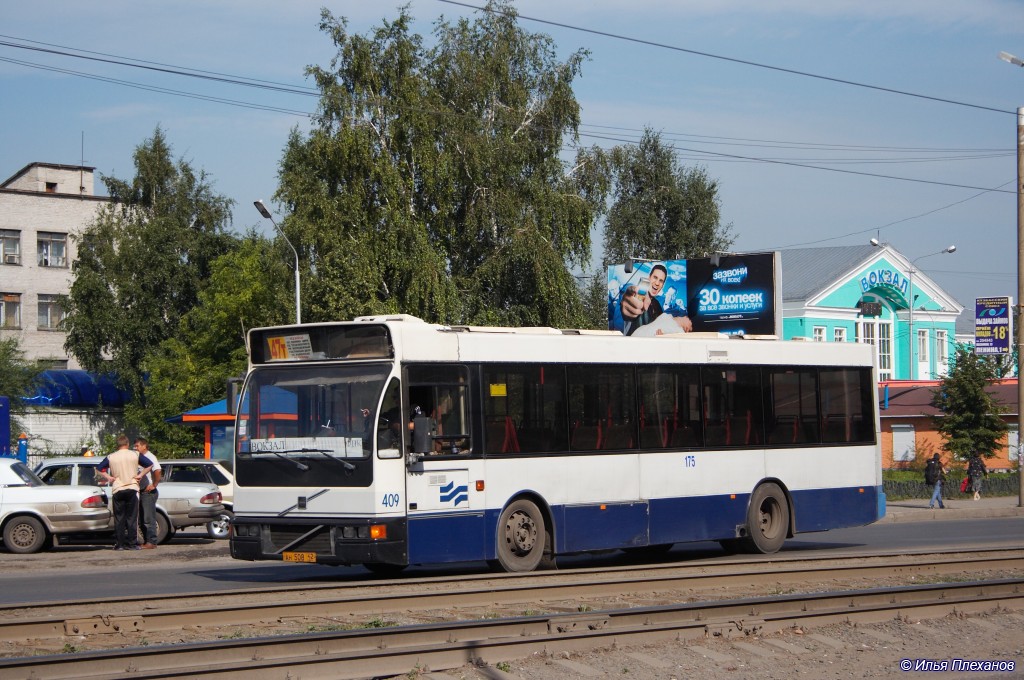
x=441 y=395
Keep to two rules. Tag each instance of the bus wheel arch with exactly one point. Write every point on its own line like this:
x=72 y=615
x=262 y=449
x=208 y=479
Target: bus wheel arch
x=769 y=518
x=524 y=538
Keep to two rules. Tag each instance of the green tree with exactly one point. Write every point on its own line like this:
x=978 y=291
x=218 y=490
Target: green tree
x=433 y=182
x=142 y=263
x=969 y=420
x=17 y=380
x=191 y=368
x=661 y=210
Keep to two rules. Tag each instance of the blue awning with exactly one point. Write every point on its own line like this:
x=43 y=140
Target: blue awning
x=68 y=387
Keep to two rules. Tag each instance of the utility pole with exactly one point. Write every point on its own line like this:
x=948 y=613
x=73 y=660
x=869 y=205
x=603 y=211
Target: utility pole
x=1020 y=301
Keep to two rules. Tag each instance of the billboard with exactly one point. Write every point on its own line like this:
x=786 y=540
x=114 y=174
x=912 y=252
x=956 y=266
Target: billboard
x=731 y=294
x=993 y=328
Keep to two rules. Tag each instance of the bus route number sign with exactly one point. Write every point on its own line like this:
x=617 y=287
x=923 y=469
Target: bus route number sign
x=290 y=347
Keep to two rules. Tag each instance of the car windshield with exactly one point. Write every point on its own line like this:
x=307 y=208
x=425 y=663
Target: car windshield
x=311 y=422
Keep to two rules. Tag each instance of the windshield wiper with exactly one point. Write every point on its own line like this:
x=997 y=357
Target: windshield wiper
x=349 y=467
x=302 y=466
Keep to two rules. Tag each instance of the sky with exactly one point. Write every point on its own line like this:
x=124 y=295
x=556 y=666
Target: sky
x=824 y=123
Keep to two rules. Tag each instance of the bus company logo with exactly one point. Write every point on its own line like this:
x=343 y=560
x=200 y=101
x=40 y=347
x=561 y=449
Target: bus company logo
x=459 y=494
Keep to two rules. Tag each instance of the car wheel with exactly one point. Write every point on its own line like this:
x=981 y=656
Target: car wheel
x=25 y=535
x=164 y=530
x=220 y=528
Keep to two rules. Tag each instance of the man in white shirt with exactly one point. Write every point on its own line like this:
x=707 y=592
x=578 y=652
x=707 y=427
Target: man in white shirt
x=148 y=495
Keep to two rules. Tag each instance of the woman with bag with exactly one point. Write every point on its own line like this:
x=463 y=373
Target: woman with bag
x=975 y=471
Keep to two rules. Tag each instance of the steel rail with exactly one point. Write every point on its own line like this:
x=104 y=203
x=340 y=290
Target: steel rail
x=232 y=608
x=361 y=582
x=363 y=654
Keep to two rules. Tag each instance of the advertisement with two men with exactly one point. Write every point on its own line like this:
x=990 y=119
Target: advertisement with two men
x=731 y=294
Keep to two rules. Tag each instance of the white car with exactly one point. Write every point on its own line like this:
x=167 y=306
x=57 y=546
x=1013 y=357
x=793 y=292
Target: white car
x=179 y=504
x=31 y=512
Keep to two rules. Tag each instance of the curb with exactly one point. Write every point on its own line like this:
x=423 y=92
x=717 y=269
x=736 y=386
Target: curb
x=925 y=514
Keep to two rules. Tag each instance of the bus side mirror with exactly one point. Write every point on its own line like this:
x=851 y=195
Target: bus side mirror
x=421 y=441
x=234 y=390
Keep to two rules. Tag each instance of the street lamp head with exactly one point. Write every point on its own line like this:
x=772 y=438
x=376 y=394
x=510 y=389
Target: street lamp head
x=263 y=209
x=1010 y=59
x=874 y=242
x=951 y=249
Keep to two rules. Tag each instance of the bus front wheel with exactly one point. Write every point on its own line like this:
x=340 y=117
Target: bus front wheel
x=767 y=519
x=521 y=537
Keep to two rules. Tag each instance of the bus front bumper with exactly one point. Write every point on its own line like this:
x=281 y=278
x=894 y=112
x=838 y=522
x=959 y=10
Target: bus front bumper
x=339 y=541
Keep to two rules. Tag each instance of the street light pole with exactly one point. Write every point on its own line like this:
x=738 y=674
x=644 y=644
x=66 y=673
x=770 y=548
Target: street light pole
x=1020 y=298
x=266 y=213
x=1009 y=58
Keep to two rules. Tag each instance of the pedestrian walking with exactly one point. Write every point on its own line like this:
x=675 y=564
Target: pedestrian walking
x=976 y=470
x=934 y=476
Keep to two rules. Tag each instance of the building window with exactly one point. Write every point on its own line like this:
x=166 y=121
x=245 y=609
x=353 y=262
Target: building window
x=879 y=334
x=885 y=350
x=819 y=334
x=922 y=346
x=50 y=312
x=10 y=311
x=10 y=246
x=941 y=352
x=52 y=249
x=839 y=335
x=904 y=443
x=51 y=187
x=54 y=363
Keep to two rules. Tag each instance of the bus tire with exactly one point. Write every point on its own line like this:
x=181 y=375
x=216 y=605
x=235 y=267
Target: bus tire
x=521 y=538
x=767 y=519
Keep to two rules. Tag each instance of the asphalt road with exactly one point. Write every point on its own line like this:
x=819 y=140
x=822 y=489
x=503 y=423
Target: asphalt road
x=194 y=564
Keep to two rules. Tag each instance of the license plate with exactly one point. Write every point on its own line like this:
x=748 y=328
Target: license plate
x=299 y=557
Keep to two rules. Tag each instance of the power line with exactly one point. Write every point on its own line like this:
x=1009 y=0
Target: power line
x=707 y=155
x=157 y=66
x=719 y=154
x=734 y=60
x=890 y=224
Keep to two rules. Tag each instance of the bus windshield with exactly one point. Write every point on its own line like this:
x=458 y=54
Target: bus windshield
x=308 y=424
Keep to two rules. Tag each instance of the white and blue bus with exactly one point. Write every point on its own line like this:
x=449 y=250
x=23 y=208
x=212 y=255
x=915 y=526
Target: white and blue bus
x=388 y=441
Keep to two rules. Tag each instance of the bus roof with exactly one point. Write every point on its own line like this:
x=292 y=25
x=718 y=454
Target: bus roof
x=417 y=340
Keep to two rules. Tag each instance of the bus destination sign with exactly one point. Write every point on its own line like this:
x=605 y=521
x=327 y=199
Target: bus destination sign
x=289 y=347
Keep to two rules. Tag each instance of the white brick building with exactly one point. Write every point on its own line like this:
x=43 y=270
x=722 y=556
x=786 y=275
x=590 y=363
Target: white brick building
x=41 y=207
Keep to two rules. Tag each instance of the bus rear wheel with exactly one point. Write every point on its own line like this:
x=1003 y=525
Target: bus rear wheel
x=767 y=519
x=522 y=537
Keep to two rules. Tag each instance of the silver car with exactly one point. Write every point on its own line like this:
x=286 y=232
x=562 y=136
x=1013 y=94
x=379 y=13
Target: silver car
x=31 y=512
x=179 y=504
x=212 y=470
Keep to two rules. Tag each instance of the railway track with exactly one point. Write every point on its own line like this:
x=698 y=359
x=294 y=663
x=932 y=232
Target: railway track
x=374 y=653
x=497 y=595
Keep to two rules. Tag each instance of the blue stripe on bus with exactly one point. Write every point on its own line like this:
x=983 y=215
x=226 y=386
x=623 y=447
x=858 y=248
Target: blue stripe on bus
x=468 y=537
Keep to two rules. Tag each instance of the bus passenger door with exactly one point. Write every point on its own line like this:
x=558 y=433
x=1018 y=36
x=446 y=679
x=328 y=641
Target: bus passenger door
x=445 y=509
